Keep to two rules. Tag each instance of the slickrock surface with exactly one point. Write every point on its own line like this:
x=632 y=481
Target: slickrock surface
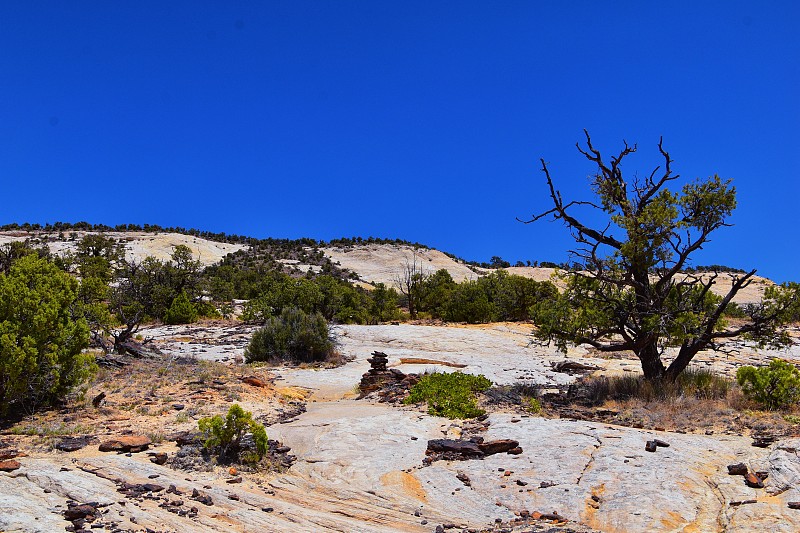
x=383 y=263
x=139 y=245
x=360 y=466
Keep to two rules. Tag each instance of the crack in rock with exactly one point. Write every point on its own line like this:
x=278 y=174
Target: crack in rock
x=590 y=462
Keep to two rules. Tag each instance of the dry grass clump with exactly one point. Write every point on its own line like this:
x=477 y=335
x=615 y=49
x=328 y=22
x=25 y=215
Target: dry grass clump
x=699 y=401
x=698 y=383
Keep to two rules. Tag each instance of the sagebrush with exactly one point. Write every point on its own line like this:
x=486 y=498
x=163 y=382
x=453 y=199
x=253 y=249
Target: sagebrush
x=294 y=336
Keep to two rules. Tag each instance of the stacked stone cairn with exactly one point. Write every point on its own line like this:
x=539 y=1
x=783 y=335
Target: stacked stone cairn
x=389 y=382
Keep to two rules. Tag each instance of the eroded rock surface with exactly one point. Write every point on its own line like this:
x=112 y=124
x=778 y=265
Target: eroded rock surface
x=360 y=465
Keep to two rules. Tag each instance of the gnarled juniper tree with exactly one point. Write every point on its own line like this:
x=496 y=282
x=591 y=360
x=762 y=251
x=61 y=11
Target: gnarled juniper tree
x=634 y=292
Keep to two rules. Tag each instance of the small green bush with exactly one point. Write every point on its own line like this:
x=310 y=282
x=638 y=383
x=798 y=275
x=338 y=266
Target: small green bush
x=224 y=435
x=182 y=311
x=450 y=394
x=775 y=386
x=293 y=336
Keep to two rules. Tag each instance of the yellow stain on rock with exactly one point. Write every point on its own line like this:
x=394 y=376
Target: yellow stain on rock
x=406 y=483
x=293 y=393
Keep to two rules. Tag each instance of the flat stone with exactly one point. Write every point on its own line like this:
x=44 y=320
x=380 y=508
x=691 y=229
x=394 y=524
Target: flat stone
x=128 y=443
x=9 y=465
x=461 y=447
x=72 y=444
x=8 y=454
x=498 y=446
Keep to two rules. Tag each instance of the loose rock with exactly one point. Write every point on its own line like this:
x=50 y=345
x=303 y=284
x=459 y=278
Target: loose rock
x=129 y=443
x=9 y=465
x=738 y=469
x=753 y=481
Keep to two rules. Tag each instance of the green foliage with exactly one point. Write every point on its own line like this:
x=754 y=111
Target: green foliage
x=224 y=435
x=470 y=303
x=775 y=386
x=450 y=394
x=534 y=406
x=335 y=299
x=182 y=311
x=41 y=344
x=14 y=250
x=497 y=296
x=383 y=305
x=636 y=240
x=206 y=309
x=294 y=336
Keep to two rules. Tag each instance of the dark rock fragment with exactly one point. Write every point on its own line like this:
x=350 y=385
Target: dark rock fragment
x=498 y=446
x=650 y=446
x=763 y=441
x=457 y=446
x=738 y=469
x=72 y=444
x=97 y=400
x=78 y=512
x=202 y=497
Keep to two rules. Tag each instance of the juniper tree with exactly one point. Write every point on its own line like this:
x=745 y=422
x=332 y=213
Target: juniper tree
x=633 y=291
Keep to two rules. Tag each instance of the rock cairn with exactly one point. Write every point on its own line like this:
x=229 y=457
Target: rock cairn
x=389 y=382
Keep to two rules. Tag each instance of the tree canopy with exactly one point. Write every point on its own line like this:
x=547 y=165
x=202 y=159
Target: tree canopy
x=41 y=342
x=635 y=290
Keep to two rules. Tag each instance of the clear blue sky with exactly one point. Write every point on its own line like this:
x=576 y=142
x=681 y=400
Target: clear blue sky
x=419 y=120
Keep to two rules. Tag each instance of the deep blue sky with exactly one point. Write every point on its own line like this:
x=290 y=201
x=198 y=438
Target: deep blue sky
x=419 y=120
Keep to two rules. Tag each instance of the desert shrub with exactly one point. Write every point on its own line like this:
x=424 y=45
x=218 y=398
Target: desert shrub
x=534 y=405
x=450 y=394
x=182 y=311
x=774 y=386
x=41 y=343
x=295 y=336
x=223 y=436
x=206 y=309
